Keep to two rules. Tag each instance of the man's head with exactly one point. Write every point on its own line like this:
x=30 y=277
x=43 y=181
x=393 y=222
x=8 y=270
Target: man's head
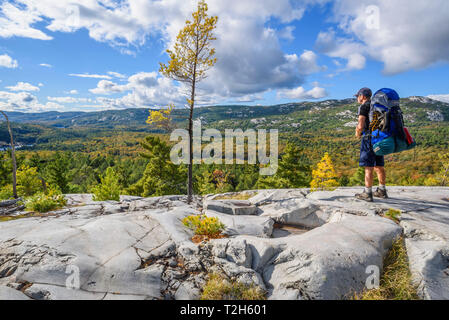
x=363 y=95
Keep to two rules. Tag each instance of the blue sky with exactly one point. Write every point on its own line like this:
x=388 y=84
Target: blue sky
x=103 y=54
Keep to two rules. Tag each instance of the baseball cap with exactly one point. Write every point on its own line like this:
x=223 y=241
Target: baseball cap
x=365 y=91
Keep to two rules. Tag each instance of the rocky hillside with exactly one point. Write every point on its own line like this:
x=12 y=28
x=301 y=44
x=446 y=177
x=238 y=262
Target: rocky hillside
x=293 y=115
x=292 y=243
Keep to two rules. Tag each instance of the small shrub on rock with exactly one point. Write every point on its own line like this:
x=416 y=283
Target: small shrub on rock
x=393 y=214
x=220 y=288
x=53 y=199
x=203 y=225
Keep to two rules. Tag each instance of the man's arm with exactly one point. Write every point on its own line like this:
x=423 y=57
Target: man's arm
x=360 y=127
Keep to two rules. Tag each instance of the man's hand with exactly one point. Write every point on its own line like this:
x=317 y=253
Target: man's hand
x=358 y=133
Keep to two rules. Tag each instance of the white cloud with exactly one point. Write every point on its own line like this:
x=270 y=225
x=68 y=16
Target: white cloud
x=69 y=100
x=439 y=97
x=25 y=102
x=87 y=75
x=287 y=33
x=301 y=94
x=142 y=89
x=347 y=49
x=308 y=63
x=7 y=62
x=116 y=74
x=23 y=86
x=250 y=59
x=407 y=34
x=73 y=91
x=46 y=65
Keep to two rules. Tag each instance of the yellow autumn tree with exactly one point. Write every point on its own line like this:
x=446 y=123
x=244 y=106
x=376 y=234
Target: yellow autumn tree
x=161 y=118
x=324 y=176
x=190 y=59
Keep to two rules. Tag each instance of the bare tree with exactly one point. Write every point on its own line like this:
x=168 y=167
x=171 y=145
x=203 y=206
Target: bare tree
x=13 y=157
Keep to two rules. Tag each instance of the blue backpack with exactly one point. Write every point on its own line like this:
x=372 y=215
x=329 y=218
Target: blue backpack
x=387 y=124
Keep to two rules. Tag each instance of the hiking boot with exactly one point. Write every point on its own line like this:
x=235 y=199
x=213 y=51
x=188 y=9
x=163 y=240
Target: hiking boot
x=365 y=196
x=379 y=193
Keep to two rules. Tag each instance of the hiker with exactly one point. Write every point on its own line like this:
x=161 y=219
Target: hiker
x=368 y=158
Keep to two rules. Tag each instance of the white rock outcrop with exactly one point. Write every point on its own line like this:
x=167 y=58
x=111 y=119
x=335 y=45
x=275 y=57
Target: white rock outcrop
x=138 y=248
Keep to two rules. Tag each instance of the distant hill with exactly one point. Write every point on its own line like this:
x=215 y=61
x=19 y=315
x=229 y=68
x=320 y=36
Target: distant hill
x=308 y=123
x=416 y=109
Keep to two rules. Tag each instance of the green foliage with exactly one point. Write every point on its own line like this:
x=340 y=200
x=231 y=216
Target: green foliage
x=53 y=199
x=161 y=176
x=358 y=179
x=57 y=171
x=393 y=214
x=109 y=189
x=443 y=175
x=28 y=182
x=291 y=173
x=220 y=288
x=6 y=192
x=204 y=226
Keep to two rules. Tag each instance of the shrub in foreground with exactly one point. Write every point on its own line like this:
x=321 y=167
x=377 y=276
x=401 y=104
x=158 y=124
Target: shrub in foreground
x=203 y=225
x=53 y=199
x=220 y=288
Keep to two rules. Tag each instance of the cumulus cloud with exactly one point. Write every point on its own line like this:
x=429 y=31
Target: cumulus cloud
x=25 y=102
x=23 y=86
x=142 y=89
x=8 y=62
x=250 y=59
x=402 y=34
x=46 y=65
x=328 y=43
x=300 y=93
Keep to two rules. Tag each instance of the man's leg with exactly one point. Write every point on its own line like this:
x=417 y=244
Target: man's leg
x=381 y=175
x=367 y=194
x=381 y=192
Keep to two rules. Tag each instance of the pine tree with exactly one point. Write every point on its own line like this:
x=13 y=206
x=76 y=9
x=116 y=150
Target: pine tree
x=324 y=176
x=190 y=59
x=109 y=188
x=291 y=173
x=57 y=172
x=161 y=176
x=358 y=179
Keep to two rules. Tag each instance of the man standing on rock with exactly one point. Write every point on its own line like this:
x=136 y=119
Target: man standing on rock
x=368 y=158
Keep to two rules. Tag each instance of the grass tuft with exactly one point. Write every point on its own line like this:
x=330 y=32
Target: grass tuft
x=395 y=282
x=393 y=214
x=219 y=288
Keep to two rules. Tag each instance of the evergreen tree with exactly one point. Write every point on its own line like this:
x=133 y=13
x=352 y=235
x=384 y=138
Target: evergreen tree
x=324 y=176
x=161 y=176
x=57 y=172
x=109 y=188
x=291 y=173
x=358 y=179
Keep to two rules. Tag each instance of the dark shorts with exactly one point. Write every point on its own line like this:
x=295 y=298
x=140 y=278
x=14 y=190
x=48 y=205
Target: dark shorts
x=367 y=156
